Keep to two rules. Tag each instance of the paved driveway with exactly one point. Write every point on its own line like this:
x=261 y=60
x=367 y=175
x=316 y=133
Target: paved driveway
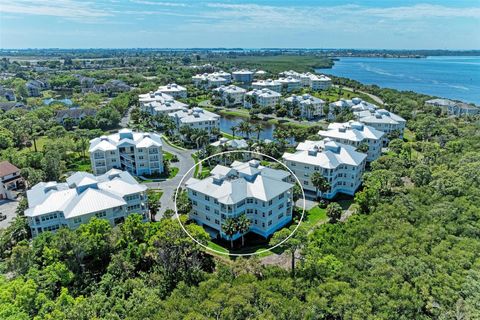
x=185 y=162
x=8 y=207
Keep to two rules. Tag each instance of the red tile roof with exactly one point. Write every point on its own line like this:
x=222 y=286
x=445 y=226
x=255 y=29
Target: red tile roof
x=7 y=168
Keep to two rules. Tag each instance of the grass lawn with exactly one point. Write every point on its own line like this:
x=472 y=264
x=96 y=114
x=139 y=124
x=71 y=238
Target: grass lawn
x=314 y=216
x=173 y=172
x=167 y=155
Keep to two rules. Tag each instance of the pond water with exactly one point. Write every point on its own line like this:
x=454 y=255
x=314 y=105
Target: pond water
x=227 y=122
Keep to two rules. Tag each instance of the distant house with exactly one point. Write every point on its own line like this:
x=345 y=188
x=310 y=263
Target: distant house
x=226 y=144
x=212 y=80
x=35 y=87
x=85 y=82
x=77 y=114
x=111 y=87
x=8 y=94
x=7 y=106
x=10 y=180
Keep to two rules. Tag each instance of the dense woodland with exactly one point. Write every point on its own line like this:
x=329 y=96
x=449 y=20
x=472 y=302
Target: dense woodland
x=411 y=251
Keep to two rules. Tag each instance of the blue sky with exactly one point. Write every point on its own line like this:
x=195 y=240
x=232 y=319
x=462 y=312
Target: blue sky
x=390 y=24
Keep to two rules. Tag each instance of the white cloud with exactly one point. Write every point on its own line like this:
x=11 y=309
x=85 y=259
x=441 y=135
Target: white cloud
x=57 y=8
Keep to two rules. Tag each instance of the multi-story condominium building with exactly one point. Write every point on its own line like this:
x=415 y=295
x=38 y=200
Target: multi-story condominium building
x=163 y=107
x=111 y=196
x=308 y=105
x=136 y=152
x=463 y=109
x=355 y=133
x=268 y=84
x=355 y=104
x=212 y=80
x=196 y=118
x=382 y=120
x=315 y=81
x=230 y=95
x=244 y=76
x=289 y=84
x=262 y=194
x=290 y=73
x=153 y=96
x=262 y=97
x=10 y=180
x=35 y=87
x=173 y=89
x=454 y=108
x=339 y=163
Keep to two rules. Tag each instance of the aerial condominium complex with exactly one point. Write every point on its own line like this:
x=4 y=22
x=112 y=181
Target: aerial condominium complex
x=308 y=105
x=112 y=196
x=136 y=152
x=262 y=97
x=261 y=193
x=355 y=133
x=454 y=108
x=173 y=89
x=382 y=120
x=268 y=84
x=339 y=163
x=244 y=76
x=231 y=95
x=159 y=103
x=196 y=118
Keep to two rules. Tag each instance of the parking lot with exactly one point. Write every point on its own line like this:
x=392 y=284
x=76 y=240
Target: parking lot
x=8 y=207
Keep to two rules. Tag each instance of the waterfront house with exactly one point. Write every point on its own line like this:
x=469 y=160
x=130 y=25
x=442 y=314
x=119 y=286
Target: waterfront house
x=268 y=84
x=111 y=196
x=289 y=84
x=243 y=76
x=382 y=120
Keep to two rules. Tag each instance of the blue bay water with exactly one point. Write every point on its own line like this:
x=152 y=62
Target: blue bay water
x=451 y=77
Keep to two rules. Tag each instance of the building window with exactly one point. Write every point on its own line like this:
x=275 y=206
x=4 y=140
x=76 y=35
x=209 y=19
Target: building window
x=280 y=216
x=217 y=221
x=194 y=202
x=207 y=198
x=207 y=208
x=270 y=222
x=194 y=193
x=77 y=220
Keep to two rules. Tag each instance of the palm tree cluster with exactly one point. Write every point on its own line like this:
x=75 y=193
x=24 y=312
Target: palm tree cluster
x=195 y=136
x=247 y=129
x=232 y=226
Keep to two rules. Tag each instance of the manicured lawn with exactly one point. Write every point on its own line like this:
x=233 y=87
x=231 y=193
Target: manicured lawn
x=314 y=216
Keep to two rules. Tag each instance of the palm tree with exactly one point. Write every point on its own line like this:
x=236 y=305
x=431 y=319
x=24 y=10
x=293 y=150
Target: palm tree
x=320 y=182
x=257 y=127
x=201 y=138
x=233 y=128
x=243 y=225
x=246 y=128
x=229 y=227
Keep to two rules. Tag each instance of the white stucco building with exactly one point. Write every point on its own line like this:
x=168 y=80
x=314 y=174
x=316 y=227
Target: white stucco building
x=315 y=81
x=268 y=84
x=139 y=153
x=111 y=196
x=212 y=80
x=196 y=118
x=231 y=95
x=355 y=133
x=263 y=98
x=244 y=76
x=173 y=89
x=310 y=106
x=339 y=163
x=262 y=194
x=382 y=120
x=289 y=83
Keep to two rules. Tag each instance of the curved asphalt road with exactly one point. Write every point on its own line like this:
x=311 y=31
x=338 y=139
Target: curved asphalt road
x=185 y=162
